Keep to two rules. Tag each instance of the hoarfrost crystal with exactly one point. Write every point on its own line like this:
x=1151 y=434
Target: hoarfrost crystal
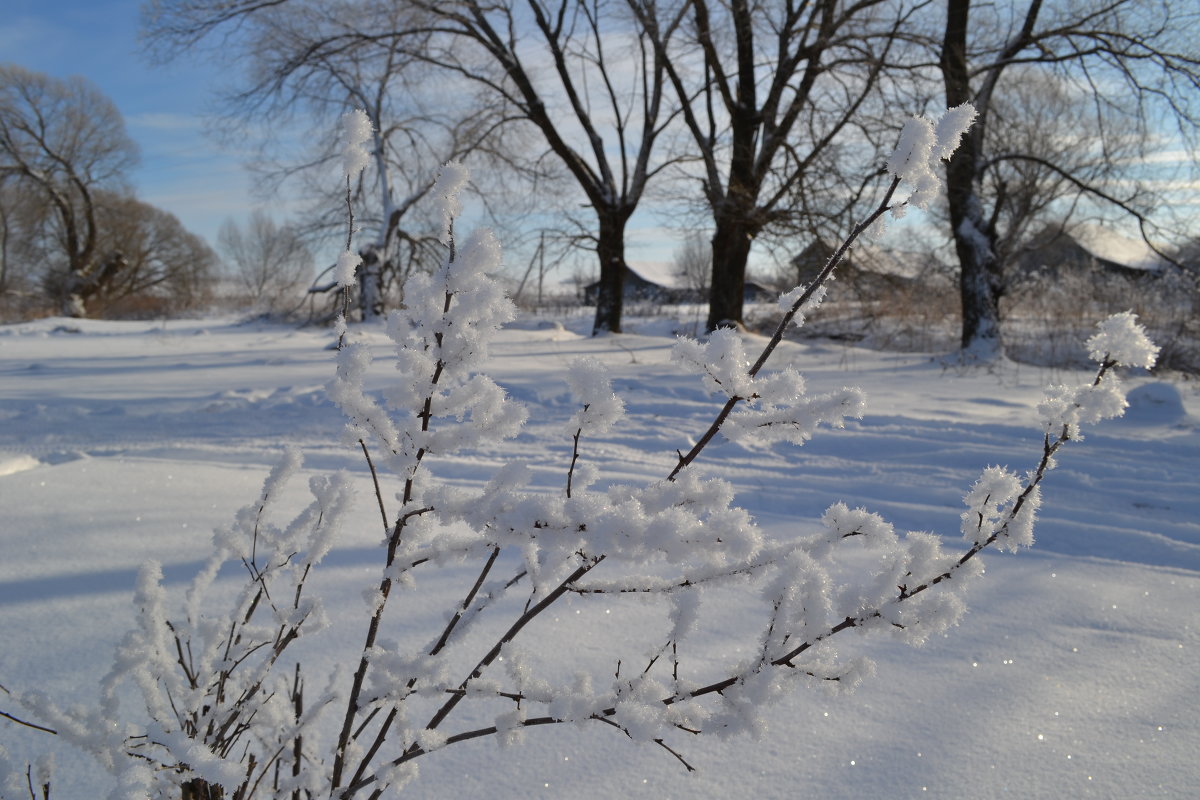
x=356 y=132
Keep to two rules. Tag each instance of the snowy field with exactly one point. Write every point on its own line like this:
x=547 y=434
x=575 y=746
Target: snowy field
x=1075 y=673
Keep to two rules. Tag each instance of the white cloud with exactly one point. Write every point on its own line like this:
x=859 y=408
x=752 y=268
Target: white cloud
x=165 y=121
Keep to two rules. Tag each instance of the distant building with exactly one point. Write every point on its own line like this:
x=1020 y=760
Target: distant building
x=867 y=271
x=1086 y=249
x=657 y=282
x=635 y=288
x=757 y=293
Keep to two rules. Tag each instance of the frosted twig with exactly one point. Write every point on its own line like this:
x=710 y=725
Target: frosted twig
x=835 y=259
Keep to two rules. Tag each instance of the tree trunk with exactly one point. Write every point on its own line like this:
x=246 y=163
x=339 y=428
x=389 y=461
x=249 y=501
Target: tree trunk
x=74 y=296
x=610 y=247
x=734 y=213
x=730 y=252
x=370 y=279
x=973 y=240
x=4 y=239
x=978 y=279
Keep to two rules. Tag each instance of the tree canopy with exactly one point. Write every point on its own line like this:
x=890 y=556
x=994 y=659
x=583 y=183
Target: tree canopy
x=85 y=243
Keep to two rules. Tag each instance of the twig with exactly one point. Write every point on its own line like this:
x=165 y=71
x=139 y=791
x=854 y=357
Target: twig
x=777 y=337
x=574 y=456
x=28 y=724
x=375 y=481
x=385 y=726
x=457 y=696
x=349 y=243
x=385 y=586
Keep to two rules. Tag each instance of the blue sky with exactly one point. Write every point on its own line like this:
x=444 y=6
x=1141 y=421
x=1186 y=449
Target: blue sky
x=182 y=170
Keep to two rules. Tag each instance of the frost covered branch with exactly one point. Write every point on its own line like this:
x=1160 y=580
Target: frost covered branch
x=923 y=144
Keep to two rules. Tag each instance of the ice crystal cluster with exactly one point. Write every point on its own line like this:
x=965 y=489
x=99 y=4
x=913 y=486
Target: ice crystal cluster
x=923 y=145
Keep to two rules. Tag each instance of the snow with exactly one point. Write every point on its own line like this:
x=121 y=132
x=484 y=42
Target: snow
x=663 y=273
x=923 y=144
x=347 y=265
x=1105 y=243
x=452 y=177
x=1123 y=340
x=1074 y=672
x=10 y=465
x=951 y=127
x=355 y=133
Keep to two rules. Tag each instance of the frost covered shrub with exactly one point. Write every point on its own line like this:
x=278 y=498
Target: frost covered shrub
x=226 y=712
x=1046 y=315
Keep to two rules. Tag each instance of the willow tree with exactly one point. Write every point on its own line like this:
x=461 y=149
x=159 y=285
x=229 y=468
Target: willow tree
x=64 y=142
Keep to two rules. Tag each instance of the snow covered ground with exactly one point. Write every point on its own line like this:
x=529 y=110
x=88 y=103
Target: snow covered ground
x=1075 y=673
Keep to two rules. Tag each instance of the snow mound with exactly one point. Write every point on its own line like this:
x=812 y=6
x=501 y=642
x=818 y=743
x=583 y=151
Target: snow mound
x=528 y=323
x=1157 y=403
x=11 y=465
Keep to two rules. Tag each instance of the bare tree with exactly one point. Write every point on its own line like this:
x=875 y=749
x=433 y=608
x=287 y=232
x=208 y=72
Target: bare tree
x=1130 y=59
x=692 y=263
x=8 y=207
x=269 y=262
x=590 y=82
x=21 y=224
x=1038 y=114
x=148 y=263
x=770 y=93
x=63 y=140
x=315 y=60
